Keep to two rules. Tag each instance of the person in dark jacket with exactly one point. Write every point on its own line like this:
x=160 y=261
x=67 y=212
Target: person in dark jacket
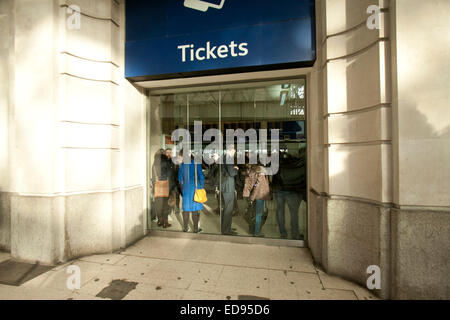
x=175 y=167
x=162 y=170
x=227 y=190
x=186 y=177
x=289 y=185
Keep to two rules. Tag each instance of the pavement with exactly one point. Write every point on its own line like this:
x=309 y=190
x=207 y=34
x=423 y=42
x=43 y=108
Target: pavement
x=160 y=268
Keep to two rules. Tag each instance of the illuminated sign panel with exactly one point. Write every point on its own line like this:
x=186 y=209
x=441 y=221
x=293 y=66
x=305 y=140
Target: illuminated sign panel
x=173 y=39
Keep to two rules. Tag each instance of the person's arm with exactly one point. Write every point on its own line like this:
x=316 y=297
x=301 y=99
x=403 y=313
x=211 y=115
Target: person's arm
x=232 y=171
x=248 y=186
x=171 y=177
x=153 y=175
x=180 y=175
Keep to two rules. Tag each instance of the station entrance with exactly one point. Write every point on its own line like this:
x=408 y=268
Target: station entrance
x=266 y=198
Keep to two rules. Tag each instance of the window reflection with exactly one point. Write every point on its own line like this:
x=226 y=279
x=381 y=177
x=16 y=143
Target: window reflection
x=243 y=199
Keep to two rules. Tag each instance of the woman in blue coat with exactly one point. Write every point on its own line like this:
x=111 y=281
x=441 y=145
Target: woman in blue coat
x=186 y=177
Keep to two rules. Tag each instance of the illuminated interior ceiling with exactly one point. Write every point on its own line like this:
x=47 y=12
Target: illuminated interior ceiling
x=273 y=93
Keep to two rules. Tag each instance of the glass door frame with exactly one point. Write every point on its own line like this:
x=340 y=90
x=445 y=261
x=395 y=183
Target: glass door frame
x=219 y=87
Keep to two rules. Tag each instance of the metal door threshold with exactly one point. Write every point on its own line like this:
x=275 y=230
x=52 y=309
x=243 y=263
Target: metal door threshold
x=223 y=238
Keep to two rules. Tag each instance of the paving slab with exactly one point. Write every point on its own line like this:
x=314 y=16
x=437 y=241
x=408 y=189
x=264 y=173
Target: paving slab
x=15 y=273
x=159 y=268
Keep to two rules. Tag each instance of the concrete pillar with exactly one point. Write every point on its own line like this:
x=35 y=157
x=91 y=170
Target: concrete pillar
x=77 y=135
x=351 y=188
x=6 y=74
x=385 y=195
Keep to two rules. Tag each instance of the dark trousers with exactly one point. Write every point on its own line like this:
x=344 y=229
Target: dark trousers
x=162 y=209
x=178 y=199
x=195 y=219
x=293 y=201
x=227 y=214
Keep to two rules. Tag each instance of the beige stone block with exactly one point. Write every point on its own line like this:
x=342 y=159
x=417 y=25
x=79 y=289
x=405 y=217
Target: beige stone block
x=92 y=41
x=358 y=171
x=90 y=136
x=134 y=136
x=92 y=70
x=4 y=95
x=354 y=40
x=134 y=215
x=424 y=172
x=355 y=242
x=373 y=125
x=88 y=224
x=316 y=170
x=316 y=205
x=34 y=236
x=88 y=101
x=342 y=15
x=5 y=222
x=422 y=102
x=91 y=169
x=101 y=9
x=356 y=82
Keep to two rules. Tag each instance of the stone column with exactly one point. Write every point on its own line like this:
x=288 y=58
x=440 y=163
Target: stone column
x=385 y=195
x=349 y=208
x=77 y=134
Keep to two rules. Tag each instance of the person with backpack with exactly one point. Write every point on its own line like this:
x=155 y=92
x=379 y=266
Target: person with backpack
x=289 y=187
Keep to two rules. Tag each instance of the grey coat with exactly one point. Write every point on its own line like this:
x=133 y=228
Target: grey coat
x=228 y=181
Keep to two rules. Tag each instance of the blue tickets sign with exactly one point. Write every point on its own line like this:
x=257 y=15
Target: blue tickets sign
x=180 y=38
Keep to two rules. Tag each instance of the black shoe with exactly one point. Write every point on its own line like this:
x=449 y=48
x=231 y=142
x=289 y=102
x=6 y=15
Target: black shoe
x=199 y=230
x=231 y=233
x=185 y=230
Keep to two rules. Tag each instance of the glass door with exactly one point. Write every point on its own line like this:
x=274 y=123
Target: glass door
x=249 y=142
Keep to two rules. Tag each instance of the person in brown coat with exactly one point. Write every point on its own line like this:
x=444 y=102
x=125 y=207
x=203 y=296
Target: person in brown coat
x=257 y=188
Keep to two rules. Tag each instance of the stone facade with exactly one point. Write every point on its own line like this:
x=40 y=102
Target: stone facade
x=379 y=187
x=74 y=160
x=73 y=138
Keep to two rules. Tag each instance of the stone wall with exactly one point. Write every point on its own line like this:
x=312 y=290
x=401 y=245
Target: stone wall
x=382 y=197
x=77 y=169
